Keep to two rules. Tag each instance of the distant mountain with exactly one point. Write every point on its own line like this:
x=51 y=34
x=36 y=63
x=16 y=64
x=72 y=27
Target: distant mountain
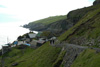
x=42 y=24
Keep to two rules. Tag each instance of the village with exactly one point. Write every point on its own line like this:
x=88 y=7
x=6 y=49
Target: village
x=31 y=39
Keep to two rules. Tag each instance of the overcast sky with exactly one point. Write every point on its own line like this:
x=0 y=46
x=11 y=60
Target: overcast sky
x=31 y=10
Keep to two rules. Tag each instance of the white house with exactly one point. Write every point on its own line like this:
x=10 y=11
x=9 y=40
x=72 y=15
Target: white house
x=32 y=35
x=21 y=42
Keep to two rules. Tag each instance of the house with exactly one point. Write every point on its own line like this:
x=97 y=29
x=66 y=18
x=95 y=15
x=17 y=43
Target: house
x=33 y=43
x=21 y=42
x=15 y=42
x=43 y=39
x=32 y=35
x=40 y=43
x=28 y=40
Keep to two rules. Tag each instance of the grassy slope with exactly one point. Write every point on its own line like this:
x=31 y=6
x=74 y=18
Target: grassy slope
x=88 y=58
x=44 y=56
x=49 y=20
x=94 y=14
x=16 y=54
x=89 y=27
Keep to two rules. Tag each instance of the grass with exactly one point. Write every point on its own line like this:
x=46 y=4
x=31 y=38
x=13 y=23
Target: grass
x=16 y=54
x=78 y=28
x=59 y=60
x=88 y=58
x=43 y=56
x=49 y=20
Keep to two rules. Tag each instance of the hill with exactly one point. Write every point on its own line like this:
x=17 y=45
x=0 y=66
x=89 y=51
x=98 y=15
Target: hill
x=43 y=23
x=60 y=24
x=88 y=58
x=43 y=56
x=84 y=30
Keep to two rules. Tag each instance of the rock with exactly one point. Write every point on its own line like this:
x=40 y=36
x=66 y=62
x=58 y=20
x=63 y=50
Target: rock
x=96 y=2
x=15 y=64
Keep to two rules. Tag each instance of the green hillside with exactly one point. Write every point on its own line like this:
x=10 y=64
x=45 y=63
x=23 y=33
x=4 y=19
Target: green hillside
x=45 y=21
x=88 y=58
x=49 y=19
x=81 y=27
x=88 y=28
x=43 y=56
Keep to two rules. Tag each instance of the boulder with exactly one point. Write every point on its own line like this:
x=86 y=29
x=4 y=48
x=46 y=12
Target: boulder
x=15 y=64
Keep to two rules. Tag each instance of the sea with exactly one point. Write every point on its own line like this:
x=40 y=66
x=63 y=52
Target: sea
x=10 y=31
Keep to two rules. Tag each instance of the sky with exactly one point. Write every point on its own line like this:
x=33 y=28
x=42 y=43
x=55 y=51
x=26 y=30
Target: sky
x=25 y=11
x=14 y=13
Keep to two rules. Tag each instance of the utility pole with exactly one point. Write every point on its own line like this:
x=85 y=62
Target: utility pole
x=2 y=50
x=2 y=59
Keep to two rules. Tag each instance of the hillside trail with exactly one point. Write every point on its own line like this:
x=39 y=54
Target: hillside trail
x=72 y=51
x=65 y=45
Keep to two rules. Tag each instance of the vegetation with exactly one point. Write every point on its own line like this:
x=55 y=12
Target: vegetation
x=47 y=34
x=59 y=60
x=43 y=56
x=88 y=26
x=49 y=20
x=86 y=29
x=88 y=58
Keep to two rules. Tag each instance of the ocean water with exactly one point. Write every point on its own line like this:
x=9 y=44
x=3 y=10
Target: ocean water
x=10 y=31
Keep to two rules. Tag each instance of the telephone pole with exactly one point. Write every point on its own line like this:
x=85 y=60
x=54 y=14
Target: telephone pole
x=2 y=59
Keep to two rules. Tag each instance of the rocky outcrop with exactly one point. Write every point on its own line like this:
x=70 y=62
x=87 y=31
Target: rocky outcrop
x=96 y=2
